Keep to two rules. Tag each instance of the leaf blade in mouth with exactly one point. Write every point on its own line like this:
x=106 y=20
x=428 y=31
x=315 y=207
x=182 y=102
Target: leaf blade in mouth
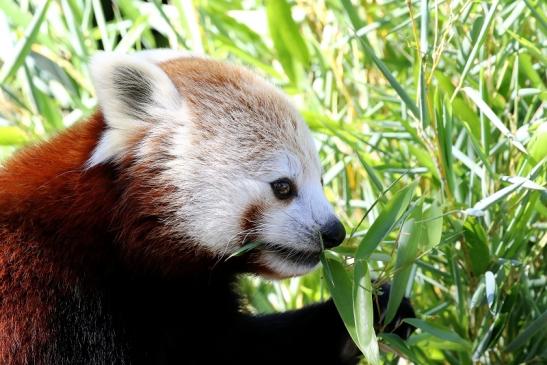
x=244 y=249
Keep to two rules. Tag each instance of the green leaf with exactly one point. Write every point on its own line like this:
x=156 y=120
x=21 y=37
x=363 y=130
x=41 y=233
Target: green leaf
x=476 y=241
x=385 y=222
x=398 y=344
x=244 y=249
x=373 y=175
x=357 y=24
x=531 y=48
x=475 y=96
x=412 y=234
x=444 y=124
x=438 y=332
x=46 y=105
x=538 y=14
x=22 y=49
x=287 y=39
x=131 y=11
x=340 y=288
x=12 y=136
x=14 y=13
x=458 y=106
x=363 y=312
x=433 y=220
x=175 y=30
x=538 y=143
x=74 y=20
x=491 y=336
x=424 y=158
x=479 y=208
x=101 y=24
x=477 y=45
x=537 y=325
x=134 y=35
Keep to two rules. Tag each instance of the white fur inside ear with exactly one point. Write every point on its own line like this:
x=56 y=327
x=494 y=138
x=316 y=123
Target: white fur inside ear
x=132 y=92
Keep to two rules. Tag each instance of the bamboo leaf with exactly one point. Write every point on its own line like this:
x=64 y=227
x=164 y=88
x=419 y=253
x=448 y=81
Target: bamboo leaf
x=12 y=136
x=23 y=47
x=474 y=95
x=363 y=312
x=477 y=45
x=244 y=249
x=433 y=220
x=438 y=332
x=538 y=143
x=413 y=232
x=490 y=337
x=480 y=207
x=340 y=288
x=357 y=24
x=397 y=343
x=490 y=285
x=385 y=222
x=537 y=325
x=287 y=39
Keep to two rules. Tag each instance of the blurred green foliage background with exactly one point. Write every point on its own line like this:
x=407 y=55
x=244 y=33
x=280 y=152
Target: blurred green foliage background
x=430 y=117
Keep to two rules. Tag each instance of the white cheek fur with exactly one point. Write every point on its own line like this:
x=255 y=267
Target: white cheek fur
x=214 y=216
x=285 y=268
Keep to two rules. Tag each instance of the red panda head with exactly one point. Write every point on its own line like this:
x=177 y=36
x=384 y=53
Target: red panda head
x=232 y=158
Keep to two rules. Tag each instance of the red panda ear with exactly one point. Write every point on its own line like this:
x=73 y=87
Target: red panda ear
x=132 y=89
x=132 y=92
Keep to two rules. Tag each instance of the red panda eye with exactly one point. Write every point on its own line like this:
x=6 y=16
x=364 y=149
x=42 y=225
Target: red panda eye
x=283 y=188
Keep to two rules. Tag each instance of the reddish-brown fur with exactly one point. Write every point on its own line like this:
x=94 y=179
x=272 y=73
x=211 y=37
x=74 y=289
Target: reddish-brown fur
x=57 y=224
x=40 y=187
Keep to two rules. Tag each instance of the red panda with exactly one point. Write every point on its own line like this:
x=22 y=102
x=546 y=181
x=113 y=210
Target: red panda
x=115 y=234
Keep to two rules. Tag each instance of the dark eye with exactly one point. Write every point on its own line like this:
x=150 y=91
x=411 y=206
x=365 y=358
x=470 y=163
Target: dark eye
x=283 y=188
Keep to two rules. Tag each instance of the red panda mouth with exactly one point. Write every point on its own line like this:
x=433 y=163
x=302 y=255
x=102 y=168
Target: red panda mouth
x=293 y=255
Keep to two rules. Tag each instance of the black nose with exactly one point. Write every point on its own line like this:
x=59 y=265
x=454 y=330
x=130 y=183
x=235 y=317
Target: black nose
x=333 y=233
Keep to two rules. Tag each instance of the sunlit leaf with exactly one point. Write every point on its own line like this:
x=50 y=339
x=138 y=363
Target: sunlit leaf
x=23 y=47
x=385 y=222
x=363 y=313
x=12 y=136
x=413 y=233
x=340 y=288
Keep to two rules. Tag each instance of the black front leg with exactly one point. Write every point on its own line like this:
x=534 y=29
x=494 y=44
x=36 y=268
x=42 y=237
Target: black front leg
x=397 y=326
x=311 y=335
